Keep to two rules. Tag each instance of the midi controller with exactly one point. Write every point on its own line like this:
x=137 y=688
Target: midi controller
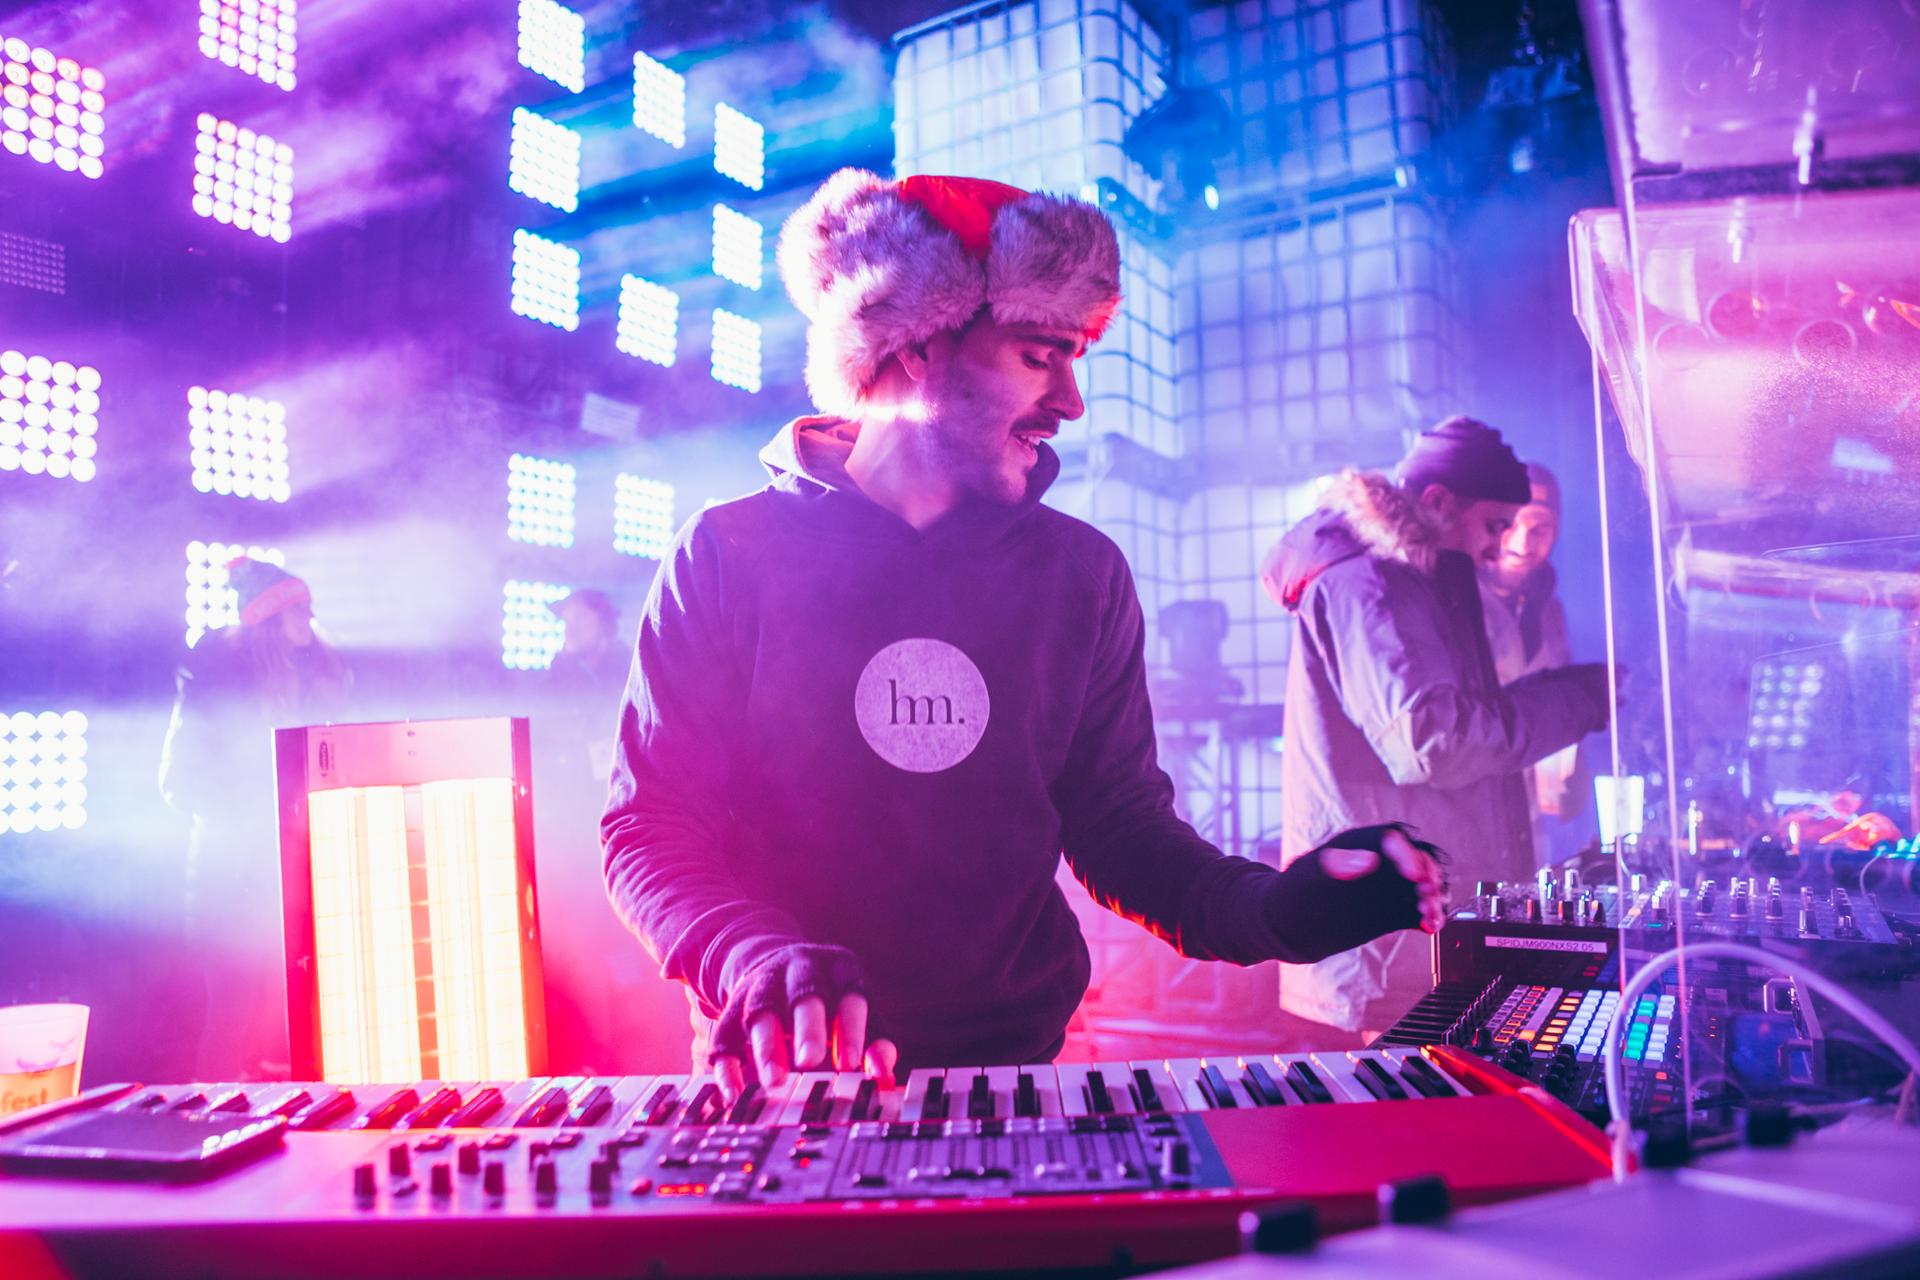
x=1093 y=1165
x=1529 y=976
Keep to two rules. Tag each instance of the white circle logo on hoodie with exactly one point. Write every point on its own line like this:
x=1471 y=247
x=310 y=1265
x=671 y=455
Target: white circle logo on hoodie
x=922 y=705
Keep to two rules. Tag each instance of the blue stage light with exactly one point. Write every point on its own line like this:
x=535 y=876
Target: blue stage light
x=51 y=108
x=546 y=280
x=642 y=516
x=739 y=147
x=659 y=100
x=254 y=36
x=738 y=247
x=530 y=634
x=243 y=178
x=736 y=350
x=540 y=501
x=212 y=602
x=553 y=42
x=48 y=416
x=545 y=161
x=649 y=324
x=239 y=444
x=43 y=771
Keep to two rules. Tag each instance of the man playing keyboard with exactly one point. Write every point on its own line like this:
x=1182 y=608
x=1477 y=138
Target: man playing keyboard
x=873 y=703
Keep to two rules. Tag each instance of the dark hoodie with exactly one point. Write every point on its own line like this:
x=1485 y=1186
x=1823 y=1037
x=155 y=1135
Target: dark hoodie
x=790 y=771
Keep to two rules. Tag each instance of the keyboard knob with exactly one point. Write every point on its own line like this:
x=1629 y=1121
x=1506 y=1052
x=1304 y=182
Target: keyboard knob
x=440 y=1179
x=399 y=1161
x=469 y=1158
x=600 y=1179
x=363 y=1184
x=1284 y=1228
x=493 y=1179
x=546 y=1180
x=1415 y=1200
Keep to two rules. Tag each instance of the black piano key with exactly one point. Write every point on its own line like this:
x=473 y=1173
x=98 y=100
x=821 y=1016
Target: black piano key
x=1099 y=1097
x=191 y=1101
x=1261 y=1086
x=865 y=1105
x=478 y=1108
x=747 y=1107
x=935 y=1106
x=819 y=1108
x=324 y=1112
x=592 y=1108
x=980 y=1099
x=292 y=1103
x=1307 y=1083
x=1026 y=1099
x=661 y=1106
x=389 y=1110
x=1425 y=1077
x=543 y=1110
x=430 y=1113
x=1144 y=1093
x=233 y=1101
x=704 y=1108
x=1375 y=1080
x=1215 y=1089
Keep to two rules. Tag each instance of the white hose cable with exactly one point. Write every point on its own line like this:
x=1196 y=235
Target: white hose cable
x=1620 y=1126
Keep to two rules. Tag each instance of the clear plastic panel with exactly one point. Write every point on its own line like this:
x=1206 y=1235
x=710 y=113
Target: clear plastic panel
x=1757 y=412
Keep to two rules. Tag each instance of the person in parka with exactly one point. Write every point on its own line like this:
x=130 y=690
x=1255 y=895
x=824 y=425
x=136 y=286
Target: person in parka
x=1394 y=712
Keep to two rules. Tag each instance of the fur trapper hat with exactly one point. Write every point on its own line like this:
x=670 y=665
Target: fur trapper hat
x=879 y=266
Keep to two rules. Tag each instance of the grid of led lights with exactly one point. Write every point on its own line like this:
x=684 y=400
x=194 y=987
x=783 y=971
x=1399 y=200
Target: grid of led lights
x=48 y=416
x=539 y=501
x=51 y=108
x=530 y=634
x=546 y=280
x=553 y=42
x=43 y=771
x=243 y=178
x=255 y=36
x=239 y=444
x=737 y=247
x=659 y=100
x=736 y=350
x=739 y=146
x=212 y=602
x=545 y=161
x=649 y=320
x=642 y=516
x=1784 y=698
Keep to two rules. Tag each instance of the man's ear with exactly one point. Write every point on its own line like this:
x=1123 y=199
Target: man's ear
x=913 y=361
x=1437 y=498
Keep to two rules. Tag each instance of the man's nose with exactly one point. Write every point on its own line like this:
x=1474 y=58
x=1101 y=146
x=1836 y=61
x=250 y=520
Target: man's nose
x=1063 y=396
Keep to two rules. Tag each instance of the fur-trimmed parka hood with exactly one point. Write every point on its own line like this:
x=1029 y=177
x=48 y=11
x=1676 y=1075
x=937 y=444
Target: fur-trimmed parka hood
x=1363 y=513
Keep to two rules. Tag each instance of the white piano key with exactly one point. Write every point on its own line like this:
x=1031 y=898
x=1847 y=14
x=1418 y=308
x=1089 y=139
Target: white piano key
x=960 y=1091
x=1337 y=1071
x=913 y=1102
x=1283 y=1061
x=1001 y=1084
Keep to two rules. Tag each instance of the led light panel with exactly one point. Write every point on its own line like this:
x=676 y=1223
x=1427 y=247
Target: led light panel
x=545 y=161
x=546 y=281
x=553 y=42
x=43 y=771
x=253 y=36
x=642 y=516
x=530 y=633
x=211 y=601
x=738 y=253
x=243 y=178
x=51 y=109
x=48 y=416
x=659 y=100
x=649 y=320
x=739 y=146
x=736 y=350
x=239 y=444
x=539 y=501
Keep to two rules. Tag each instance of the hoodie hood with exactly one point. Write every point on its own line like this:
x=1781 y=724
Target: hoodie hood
x=808 y=457
x=1363 y=513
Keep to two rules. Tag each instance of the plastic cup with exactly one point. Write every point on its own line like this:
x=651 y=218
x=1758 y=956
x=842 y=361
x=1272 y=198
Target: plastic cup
x=40 y=1048
x=1621 y=804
